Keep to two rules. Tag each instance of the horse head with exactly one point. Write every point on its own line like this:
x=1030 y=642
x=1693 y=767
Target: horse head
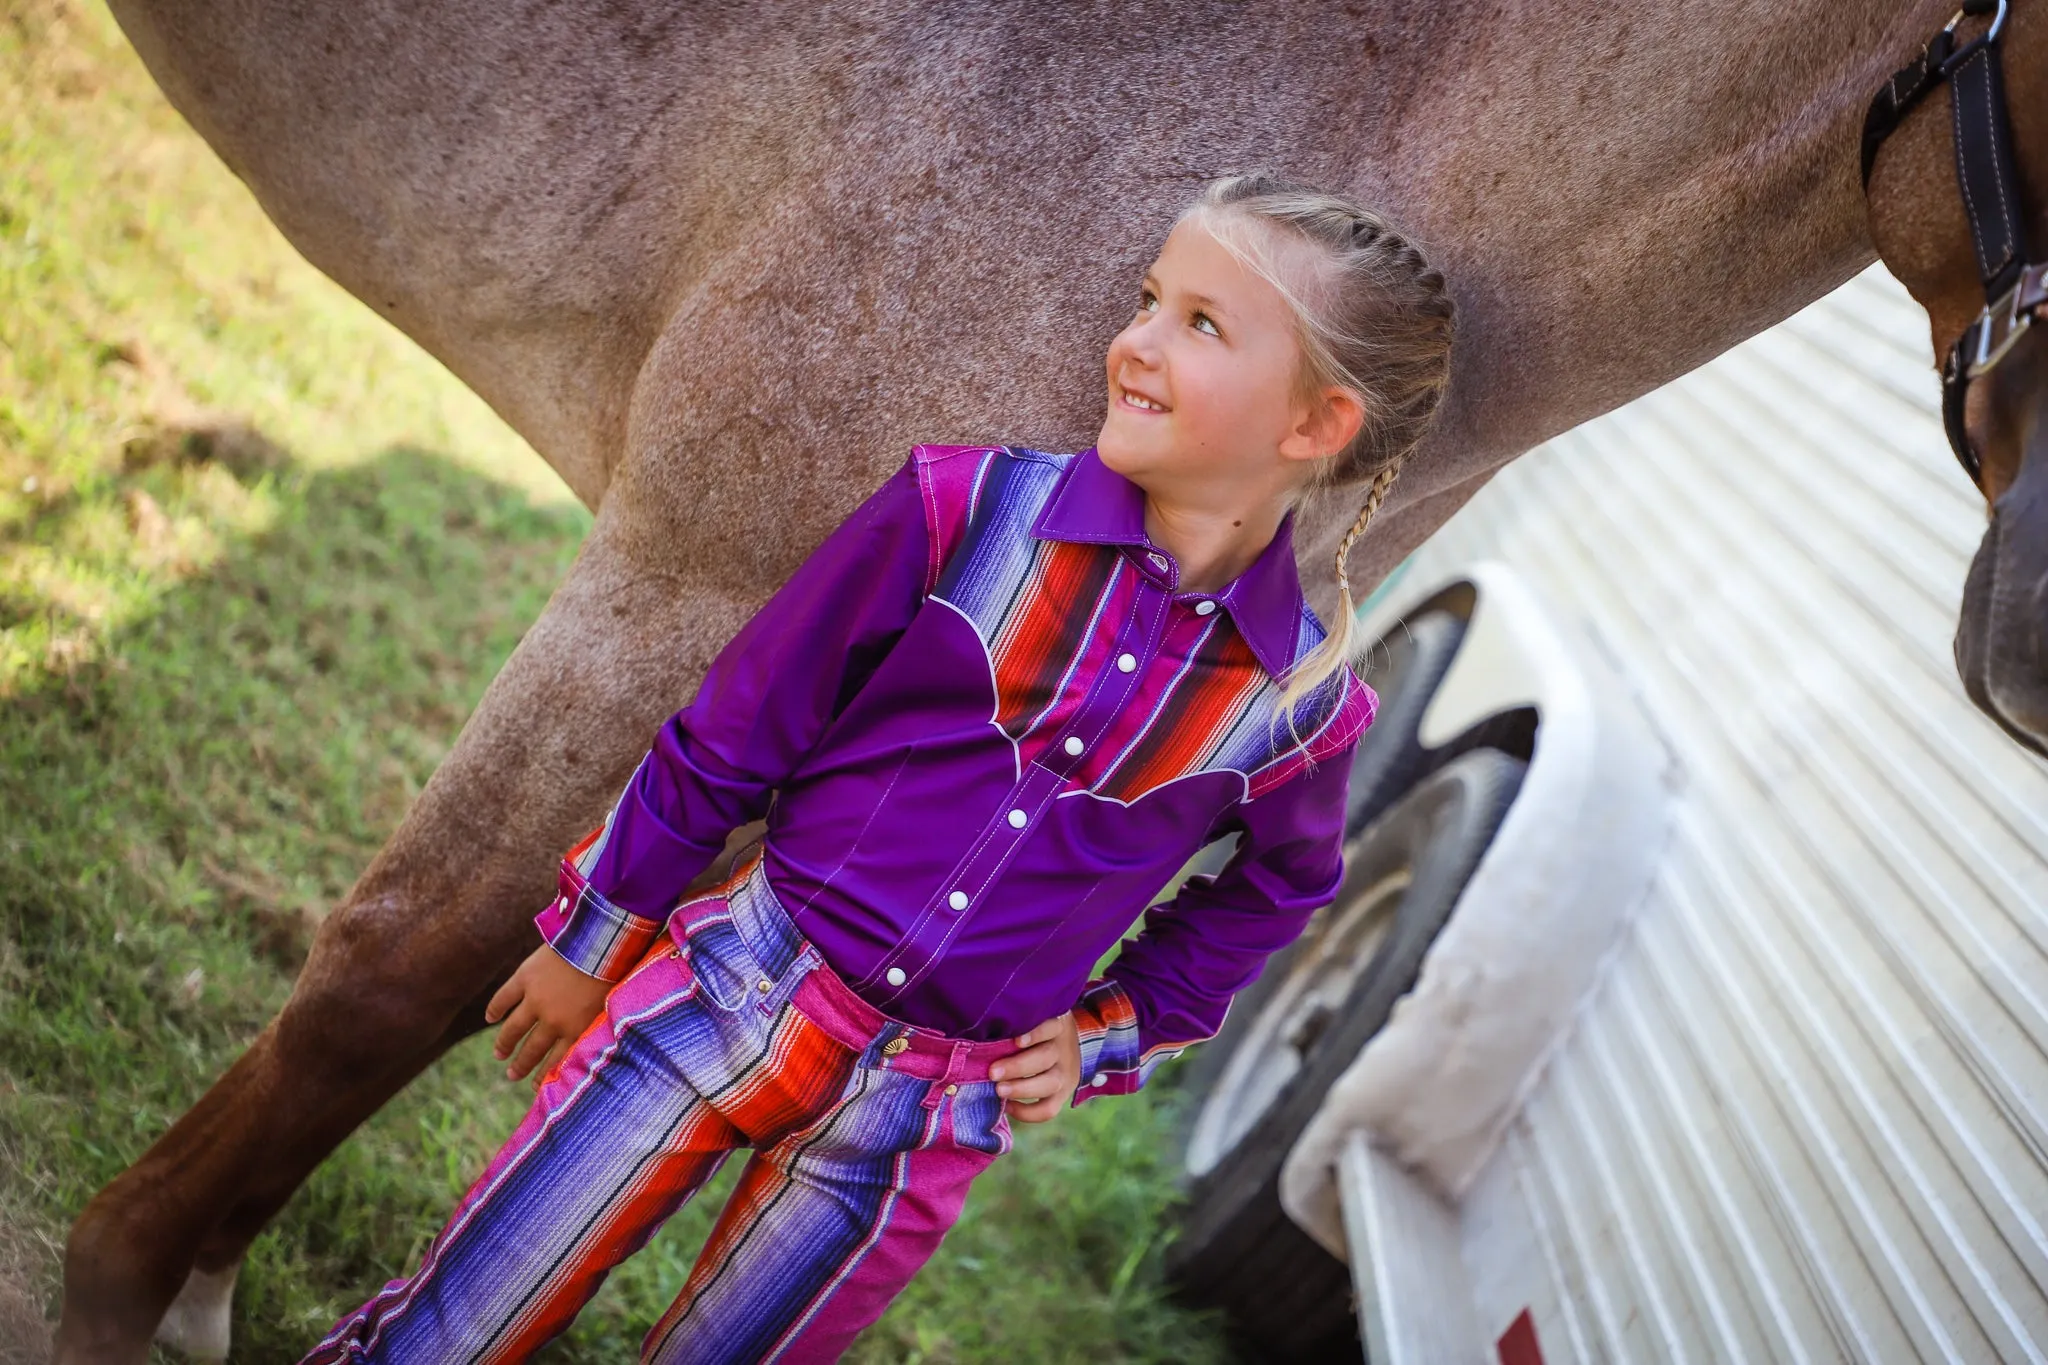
x=1942 y=228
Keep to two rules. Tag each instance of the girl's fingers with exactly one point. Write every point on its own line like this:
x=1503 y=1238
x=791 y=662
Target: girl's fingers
x=537 y=1044
x=1038 y=1033
x=515 y=1027
x=1036 y=1087
x=509 y=994
x=1030 y=1062
x=1032 y=1079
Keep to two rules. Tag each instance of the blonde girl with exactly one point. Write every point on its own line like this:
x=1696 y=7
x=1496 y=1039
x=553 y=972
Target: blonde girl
x=986 y=721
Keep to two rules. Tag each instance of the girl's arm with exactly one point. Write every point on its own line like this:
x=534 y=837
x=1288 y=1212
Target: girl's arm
x=763 y=704
x=1170 y=987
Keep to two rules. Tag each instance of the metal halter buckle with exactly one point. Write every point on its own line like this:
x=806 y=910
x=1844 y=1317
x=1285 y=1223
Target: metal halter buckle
x=1997 y=22
x=2002 y=323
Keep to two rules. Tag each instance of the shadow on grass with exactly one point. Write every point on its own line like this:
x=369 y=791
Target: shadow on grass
x=186 y=797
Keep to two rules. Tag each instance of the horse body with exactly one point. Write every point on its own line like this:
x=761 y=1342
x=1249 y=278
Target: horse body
x=556 y=204
x=723 y=266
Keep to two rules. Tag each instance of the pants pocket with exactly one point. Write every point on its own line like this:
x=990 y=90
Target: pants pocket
x=660 y=980
x=981 y=1120
x=728 y=975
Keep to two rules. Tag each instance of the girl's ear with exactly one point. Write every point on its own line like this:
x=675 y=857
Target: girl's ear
x=1326 y=425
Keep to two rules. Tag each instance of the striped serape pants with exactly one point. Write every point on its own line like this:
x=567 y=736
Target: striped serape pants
x=731 y=1032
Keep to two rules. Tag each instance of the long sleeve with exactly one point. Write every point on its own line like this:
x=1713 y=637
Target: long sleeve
x=764 y=703
x=1171 y=986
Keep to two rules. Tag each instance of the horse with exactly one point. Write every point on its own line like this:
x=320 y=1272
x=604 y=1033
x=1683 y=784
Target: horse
x=722 y=266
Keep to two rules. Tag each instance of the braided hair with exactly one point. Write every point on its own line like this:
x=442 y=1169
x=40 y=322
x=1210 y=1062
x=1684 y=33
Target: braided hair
x=1373 y=317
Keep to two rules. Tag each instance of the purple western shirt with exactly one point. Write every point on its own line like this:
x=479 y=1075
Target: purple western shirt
x=987 y=728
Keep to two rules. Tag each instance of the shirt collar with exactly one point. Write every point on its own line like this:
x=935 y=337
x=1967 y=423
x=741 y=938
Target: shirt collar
x=1095 y=504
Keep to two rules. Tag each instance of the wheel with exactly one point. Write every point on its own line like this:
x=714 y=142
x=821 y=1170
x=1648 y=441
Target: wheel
x=1287 y=1299
x=1407 y=667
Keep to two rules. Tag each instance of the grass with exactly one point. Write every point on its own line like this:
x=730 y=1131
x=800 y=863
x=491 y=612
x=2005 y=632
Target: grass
x=259 y=557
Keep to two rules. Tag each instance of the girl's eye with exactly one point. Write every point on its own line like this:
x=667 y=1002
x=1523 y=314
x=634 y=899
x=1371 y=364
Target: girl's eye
x=1149 y=303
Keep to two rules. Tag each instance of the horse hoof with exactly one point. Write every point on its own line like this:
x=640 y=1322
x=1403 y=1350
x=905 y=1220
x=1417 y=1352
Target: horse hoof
x=197 y=1321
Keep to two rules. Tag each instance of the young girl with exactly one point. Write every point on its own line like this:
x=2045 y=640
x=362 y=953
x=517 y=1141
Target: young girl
x=997 y=709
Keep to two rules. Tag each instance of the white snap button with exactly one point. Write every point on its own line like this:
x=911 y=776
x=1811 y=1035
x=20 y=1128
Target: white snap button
x=1157 y=559
x=1017 y=819
x=894 y=976
x=1204 y=608
x=958 y=900
x=1100 y=1079
x=1126 y=662
x=1074 y=745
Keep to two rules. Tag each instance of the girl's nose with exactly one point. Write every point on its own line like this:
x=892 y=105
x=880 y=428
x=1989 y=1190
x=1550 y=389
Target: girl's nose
x=1134 y=343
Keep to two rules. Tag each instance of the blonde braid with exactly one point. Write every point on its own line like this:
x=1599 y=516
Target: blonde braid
x=1374 y=496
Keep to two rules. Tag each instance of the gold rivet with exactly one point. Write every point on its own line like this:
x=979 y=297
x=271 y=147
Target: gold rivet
x=895 y=1045
x=952 y=1090
x=765 y=985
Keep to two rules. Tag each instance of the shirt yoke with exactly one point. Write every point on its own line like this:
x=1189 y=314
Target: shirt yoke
x=951 y=480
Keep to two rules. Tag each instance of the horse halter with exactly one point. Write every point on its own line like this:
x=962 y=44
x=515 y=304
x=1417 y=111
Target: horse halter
x=2015 y=290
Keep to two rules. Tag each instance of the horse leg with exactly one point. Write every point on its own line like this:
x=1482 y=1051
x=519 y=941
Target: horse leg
x=198 y=1320
x=400 y=969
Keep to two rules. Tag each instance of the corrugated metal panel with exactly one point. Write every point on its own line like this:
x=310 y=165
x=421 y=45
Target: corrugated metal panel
x=1806 y=1117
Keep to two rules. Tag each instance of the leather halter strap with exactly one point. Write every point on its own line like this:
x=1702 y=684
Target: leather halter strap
x=2015 y=292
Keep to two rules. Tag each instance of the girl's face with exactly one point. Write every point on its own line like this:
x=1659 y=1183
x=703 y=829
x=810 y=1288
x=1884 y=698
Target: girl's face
x=1202 y=379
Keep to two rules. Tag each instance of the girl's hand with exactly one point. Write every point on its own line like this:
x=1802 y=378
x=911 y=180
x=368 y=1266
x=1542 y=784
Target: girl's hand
x=1037 y=1082
x=551 y=1003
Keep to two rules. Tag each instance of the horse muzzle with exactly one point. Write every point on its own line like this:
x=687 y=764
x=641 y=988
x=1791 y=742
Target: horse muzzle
x=2002 y=636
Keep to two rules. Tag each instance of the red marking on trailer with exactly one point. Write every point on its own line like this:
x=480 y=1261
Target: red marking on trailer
x=1517 y=1345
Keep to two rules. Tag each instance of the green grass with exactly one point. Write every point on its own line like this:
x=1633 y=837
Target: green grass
x=259 y=557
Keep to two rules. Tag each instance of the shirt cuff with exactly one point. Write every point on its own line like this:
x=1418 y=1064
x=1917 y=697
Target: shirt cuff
x=1109 y=1042
x=591 y=933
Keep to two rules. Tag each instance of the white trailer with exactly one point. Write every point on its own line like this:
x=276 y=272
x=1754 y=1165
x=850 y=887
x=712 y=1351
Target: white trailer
x=1688 y=996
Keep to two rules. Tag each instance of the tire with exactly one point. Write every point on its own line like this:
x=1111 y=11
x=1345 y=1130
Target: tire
x=1390 y=757
x=1286 y=1299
